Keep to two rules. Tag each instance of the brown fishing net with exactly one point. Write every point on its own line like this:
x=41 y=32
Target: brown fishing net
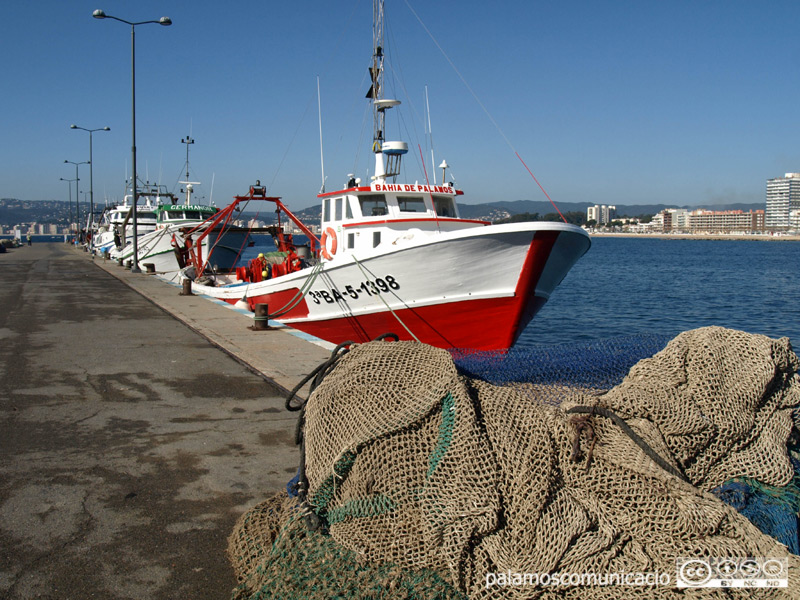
x=432 y=485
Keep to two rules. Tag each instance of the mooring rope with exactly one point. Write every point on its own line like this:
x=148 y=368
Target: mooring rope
x=301 y=293
x=391 y=310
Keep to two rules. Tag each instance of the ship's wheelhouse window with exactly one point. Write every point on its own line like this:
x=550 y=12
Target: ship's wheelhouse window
x=411 y=204
x=373 y=205
x=376 y=239
x=146 y=215
x=192 y=214
x=174 y=215
x=351 y=241
x=326 y=209
x=444 y=206
x=338 y=209
x=348 y=211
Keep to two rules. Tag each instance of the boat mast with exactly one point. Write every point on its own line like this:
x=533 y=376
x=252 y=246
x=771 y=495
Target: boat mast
x=189 y=184
x=392 y=151
x=376 y=70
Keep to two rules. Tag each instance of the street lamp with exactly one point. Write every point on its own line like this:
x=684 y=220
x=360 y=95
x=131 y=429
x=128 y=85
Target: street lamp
x=69 y=185
x=77 y=196
x=91 y=169
x=99 y=14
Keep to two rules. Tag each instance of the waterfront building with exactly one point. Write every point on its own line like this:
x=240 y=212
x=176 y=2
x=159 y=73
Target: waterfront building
x=670 y=219
x=794 y=220
x=725 y=220
x=601 y=213
x=783 y=199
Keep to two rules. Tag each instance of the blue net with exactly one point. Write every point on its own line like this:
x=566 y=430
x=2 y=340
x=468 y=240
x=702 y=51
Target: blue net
x=774 y=510
x=596 y=365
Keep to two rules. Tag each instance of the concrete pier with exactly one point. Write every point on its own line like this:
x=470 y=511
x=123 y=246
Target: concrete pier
x=136 y=425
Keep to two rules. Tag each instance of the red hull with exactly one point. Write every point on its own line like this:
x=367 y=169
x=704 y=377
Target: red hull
x=482 y=324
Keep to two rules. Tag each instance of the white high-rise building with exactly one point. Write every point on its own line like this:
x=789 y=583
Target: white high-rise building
x=783 y=199
x=601 y=214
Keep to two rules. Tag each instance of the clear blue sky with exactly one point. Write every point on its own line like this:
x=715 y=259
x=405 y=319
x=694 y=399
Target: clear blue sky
x=675 y=102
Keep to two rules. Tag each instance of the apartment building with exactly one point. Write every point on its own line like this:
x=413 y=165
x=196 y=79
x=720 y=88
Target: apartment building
x=725 y=220
x=601 y=213
x=783 y=202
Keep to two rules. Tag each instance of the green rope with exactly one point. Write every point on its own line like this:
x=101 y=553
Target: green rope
x=295 y=300
x=325 y=493
x=391 y=310
x=361 y=507
x=445 y=433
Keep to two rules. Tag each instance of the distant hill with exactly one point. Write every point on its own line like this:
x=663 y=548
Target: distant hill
x=494 y=211
x=14 y=212
x=515 y=207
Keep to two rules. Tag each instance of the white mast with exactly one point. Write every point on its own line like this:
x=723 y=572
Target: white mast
x=189 y=184
x=321 y=156
x=393 y=150
x=430 y=133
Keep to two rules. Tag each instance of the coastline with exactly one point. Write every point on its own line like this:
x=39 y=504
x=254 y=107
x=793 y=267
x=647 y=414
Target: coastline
x=701 y=236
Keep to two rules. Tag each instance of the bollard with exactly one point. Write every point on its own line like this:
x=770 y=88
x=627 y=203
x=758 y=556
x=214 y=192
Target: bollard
x=128 y=264
x=187 y=288
x=119 y=261
x=149 y=267
x=261 y=318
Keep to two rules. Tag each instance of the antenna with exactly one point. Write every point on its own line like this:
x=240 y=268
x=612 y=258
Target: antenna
x=321 y=157
x=211 y=197
x=430 y=133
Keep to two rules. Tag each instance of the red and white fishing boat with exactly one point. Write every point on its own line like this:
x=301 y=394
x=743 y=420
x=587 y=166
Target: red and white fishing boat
x=397 y=257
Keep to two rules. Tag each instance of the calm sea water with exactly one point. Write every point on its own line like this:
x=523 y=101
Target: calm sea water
x=628 y=286
x=631 y=286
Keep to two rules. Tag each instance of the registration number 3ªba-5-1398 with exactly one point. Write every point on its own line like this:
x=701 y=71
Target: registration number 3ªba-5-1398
x=370 y=288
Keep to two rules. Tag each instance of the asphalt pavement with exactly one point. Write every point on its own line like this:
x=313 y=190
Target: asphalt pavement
x=136 y=425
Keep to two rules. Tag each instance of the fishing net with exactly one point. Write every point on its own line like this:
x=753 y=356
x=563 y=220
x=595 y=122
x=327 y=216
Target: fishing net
x=420 y=481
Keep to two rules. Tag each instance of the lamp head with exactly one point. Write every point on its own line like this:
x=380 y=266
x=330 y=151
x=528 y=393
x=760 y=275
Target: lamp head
x=106 y=128
x=99 y=14
x=73 y=126
x=164 y=21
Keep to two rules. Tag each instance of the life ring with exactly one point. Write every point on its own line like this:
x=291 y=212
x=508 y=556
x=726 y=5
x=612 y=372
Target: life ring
x=329 y=234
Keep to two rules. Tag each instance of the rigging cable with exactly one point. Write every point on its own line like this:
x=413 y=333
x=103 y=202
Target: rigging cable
x=485 y=110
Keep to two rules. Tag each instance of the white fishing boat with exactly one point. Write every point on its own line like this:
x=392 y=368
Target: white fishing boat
x=178 y=228
x=397 y=257
x=115 y=227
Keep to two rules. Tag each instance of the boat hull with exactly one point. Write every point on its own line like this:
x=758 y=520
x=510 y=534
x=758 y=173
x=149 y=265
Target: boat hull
x=476 y=288
x=222 y=250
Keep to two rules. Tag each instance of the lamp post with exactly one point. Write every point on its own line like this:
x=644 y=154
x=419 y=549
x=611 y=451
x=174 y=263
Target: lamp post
x=99 y=14
x=77 y=196
x=91 y=169
x=69 y=185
